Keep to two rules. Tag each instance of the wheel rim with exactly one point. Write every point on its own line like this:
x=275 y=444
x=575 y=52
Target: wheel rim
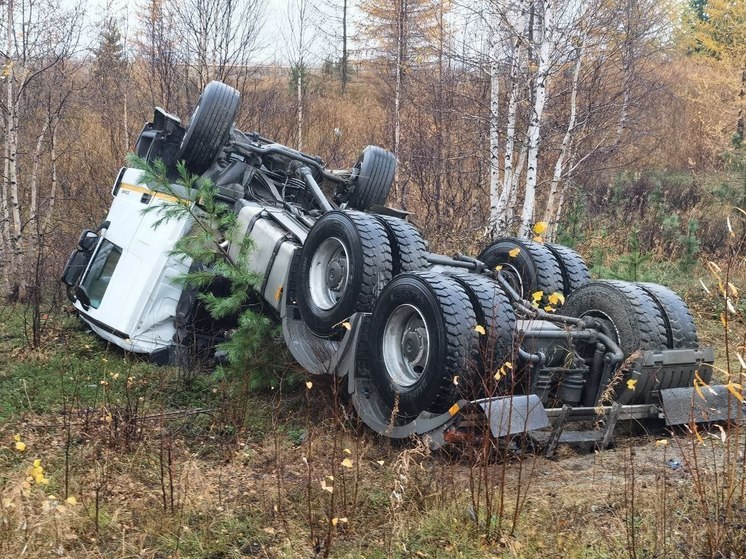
x=329 y=273
x=406 y=346
x=513 y=277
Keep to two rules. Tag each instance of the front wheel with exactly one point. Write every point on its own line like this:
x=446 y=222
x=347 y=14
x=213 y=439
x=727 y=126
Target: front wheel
x=209 y=126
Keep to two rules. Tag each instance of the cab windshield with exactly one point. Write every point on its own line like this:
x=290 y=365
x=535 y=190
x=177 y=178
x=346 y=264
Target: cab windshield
x=99 y=274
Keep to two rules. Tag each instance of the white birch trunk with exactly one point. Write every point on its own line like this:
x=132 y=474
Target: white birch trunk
x=11 y=150
x=495 y=213
x=504 y=203
x=565 y=146
x=400 y=38
x=534 y=129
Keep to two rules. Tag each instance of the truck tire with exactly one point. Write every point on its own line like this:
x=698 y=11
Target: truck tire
x=422 y=337
x=345 y=262
x=495 y=314
x=533 y=269
x=375 y=169
x=575 y=273
x=209 y=126
x=680 y=329
x=632 y=319
x=408 y=248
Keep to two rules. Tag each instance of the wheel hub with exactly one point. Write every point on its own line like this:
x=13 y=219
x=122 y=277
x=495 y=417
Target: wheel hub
x=329 y=273
x=336 y=273
x=412 y=345
x=406 y=346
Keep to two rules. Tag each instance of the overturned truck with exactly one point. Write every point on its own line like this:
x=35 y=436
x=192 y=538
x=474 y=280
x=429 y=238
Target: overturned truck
x=451 y=348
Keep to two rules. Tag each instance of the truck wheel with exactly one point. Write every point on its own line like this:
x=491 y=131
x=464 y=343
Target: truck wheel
x=533 y=268
x=408 y=248
x=345 y=262
x=574 y=270
x=209 y=126
x=422 y=337
x=373 y=177
x=630 y=316
x=680 y=329
x=496 y=315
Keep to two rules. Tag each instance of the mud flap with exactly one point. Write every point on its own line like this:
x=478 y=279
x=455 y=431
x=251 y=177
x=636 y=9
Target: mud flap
x=708 y=404
x=514 y=414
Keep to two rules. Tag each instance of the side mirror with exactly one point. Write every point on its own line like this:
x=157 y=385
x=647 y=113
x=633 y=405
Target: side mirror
x=87 y=241
x=82 y=295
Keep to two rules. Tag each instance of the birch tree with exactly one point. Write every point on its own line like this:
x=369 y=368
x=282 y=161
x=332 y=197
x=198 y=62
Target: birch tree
x=40 y=38
x=535 y=123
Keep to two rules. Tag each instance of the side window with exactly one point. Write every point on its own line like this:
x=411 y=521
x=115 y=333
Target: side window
x=99 y=274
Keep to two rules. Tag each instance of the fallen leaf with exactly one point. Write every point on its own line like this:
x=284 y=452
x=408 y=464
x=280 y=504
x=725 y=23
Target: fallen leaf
x=71 y=500
x=455 y=380
x=498 y=268
x=557 y=298
x=537 y=295
x=661 y=442
x=20 y=446
x=347 y=463
x=480 y=329
x=514 y=252
x=631 y=383
x=309 y=384
x=347 y=451
x=346 y=325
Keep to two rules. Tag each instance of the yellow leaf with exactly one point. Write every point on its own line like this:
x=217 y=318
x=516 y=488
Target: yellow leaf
x=480 y=329
x=37 y=463
x=347 y=463
x=347 y=451
x=498 y=268
x=514 y=252
x=735 y=389
x=557 y=298
x=346 y=325
x=278 y=293
x=309 y=384
x=71 y=500
x=661 y=442
x=724 y=320
x=335 y=520
x=326 y=487
x=537 y=295
x=540 y=227
x=631 y=383
x=539 y=239
x=549 y=308
x=20 y=446
x=17 y=438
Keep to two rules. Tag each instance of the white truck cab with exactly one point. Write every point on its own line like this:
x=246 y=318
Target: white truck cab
x=124 y=278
